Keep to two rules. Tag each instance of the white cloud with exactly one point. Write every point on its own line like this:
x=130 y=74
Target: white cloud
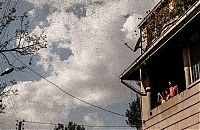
x=130 y=26
x=92 y=120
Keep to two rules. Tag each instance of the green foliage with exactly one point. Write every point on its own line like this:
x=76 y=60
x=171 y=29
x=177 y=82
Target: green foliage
x=134 y=114
x=179 y=8
x=71 y=126
x=160 y=18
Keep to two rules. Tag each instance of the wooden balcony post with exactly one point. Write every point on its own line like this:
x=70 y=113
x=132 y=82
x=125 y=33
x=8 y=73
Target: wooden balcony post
x=146 y=86
x=186 y=60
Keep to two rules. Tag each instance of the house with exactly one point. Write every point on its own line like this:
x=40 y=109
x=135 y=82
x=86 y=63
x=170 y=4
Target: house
x=170 y=52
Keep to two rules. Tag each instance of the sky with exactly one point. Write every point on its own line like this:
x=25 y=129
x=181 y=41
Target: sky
x=85 y=57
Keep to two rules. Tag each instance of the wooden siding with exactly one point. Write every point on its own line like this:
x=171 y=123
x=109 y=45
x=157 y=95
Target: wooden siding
x=181 y=112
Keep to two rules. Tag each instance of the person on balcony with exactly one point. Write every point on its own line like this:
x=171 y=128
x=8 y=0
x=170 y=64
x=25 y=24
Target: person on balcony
x=173 y=90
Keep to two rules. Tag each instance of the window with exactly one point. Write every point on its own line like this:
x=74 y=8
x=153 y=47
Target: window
x=195 y=56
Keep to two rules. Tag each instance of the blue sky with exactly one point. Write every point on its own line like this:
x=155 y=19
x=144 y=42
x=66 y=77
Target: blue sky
x=85 y=56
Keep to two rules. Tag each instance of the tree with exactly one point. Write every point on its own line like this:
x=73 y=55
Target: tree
x=70 y=126
x=134 y=114
x=16 y=42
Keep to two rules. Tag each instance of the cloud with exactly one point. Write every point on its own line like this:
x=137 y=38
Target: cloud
x=130 y=26
x=95 y=63
x=78 y=9
x=92 y=120
x=140 y=6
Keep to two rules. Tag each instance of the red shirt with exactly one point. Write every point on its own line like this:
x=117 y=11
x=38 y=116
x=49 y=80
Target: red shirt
x=172 y=90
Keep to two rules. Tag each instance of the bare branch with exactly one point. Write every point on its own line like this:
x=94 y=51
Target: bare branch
x=22 y=43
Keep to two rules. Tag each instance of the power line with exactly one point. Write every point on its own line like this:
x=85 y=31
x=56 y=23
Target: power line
x=94 y=126
x=112 y=126
x=42 y=123
x=115 y=113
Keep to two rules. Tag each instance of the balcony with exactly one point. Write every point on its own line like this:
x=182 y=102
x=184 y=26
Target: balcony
x=180 y=112
x=162 y=18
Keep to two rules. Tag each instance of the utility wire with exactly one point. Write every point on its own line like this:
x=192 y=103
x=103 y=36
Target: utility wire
x=111 y=126
x=43 y=123
x=94 y=126
x=115 y=113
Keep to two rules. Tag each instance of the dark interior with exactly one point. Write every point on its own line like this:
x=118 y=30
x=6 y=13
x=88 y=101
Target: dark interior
x=167 y=66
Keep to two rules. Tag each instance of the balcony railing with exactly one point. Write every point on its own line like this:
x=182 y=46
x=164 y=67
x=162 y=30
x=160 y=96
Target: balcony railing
x=161 y=19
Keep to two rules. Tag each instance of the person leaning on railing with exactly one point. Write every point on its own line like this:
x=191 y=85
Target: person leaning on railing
x=173 y=90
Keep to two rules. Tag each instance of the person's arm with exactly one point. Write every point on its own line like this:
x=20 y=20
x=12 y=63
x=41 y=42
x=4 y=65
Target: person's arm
x=161 y=97
x=158 y=97
x=168 y=97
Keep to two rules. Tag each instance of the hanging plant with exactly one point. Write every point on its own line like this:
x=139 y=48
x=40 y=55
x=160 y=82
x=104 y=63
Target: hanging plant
x=151 y=27
x=168 y=12
x=164 y=14
x=189 y=3
x=179 y=8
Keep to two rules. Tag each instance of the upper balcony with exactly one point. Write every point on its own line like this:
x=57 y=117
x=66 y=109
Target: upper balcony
x=160 y=28
x=165 y=14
